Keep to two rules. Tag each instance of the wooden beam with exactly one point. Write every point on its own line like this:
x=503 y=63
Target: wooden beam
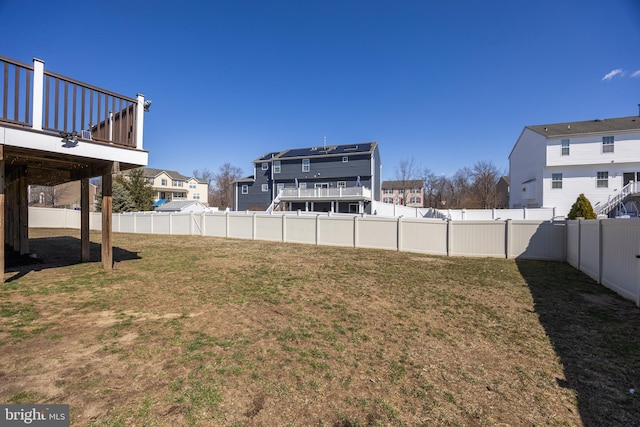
x=2 y=213
x=85 y=249
x=107 y=234
x=23 y=188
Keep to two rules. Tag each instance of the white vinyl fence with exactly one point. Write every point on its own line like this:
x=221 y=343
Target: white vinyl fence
x=606 y=249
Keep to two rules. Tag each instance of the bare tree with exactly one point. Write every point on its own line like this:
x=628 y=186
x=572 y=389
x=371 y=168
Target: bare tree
x=223 y=185
x=407 y=174
x=461 y=182
x=485 y=179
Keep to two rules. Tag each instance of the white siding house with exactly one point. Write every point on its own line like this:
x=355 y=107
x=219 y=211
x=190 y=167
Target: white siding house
x=550 y=165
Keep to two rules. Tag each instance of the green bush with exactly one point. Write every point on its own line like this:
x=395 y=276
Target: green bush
x=582 y=209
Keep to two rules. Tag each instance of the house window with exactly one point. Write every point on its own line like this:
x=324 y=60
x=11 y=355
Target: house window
x=303 y=185
x=163 y=182
x=276 y=166
x=177 y=183
x=388 y=200
x=556 y=180
x=265 y=187
x=607 y=144
x=602 y=180
x=415 y=190
x=192 y=184
x=280 y=187
x=178 y=196
x=565 y=147
x=345 y=159
x=196 y=196
x=265 y=166
x=415 y=200
x=305 y=165
x=388 y=191
x=150 y=181
x=342 y=184
x=245 y=189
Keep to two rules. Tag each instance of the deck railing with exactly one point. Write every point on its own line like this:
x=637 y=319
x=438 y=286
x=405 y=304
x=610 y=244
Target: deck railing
x=41 y=100
x=325 y=193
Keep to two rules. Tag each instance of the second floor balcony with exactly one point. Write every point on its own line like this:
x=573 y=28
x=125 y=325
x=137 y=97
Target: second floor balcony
x=320 y=194
x=32 y=98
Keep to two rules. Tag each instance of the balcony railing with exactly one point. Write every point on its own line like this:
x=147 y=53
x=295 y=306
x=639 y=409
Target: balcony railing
x=40 y=100
x=352 y=193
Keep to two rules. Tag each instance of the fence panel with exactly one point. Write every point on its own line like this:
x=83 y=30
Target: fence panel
x=336 y=231
x=180 y=223
x=477 y=238
x=215 y=225
x=268 y=227
x=537 y=240
x=573 y=242
x=162 y=224
x=300 y=229
x=620 y=245
x=144 y=223
x=241 y=226
x=590 y=248
x=127 y=223
x=377 y=233
x=424 y=236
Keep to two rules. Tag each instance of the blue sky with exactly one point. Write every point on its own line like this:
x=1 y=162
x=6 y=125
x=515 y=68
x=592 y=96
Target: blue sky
x=445 y=83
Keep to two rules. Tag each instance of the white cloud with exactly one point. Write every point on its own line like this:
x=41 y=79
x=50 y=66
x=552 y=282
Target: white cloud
x=612 y=74
x=636 y=74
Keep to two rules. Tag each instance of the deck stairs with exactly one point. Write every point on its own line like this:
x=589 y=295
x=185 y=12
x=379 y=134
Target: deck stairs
x=621 y=203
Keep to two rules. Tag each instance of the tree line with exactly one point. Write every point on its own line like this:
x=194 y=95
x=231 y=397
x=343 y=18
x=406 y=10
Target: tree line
x=470 y=187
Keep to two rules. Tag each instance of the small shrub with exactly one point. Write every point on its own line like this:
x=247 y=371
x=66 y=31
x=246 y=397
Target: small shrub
x=582 y=209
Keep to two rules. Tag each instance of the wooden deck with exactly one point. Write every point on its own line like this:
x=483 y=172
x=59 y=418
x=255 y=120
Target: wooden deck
x=53 y=130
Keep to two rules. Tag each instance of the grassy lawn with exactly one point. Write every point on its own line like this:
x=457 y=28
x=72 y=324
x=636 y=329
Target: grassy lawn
x=216 y=332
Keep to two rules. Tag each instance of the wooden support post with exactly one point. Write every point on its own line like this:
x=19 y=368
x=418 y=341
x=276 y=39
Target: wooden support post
x=2 y=211
x=85 y=251
x=23 y=188
x=107 y=248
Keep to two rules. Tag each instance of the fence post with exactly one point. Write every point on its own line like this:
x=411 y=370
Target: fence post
x=449 y=237
x=135 y=221
x=170 y=223
x=355 y=231
x=254 y=224
x=284 y=227
x=600 y=262
x=399 y=231
x=226 y=226
x=317 y=229
x=203 y=221
x=507 y=238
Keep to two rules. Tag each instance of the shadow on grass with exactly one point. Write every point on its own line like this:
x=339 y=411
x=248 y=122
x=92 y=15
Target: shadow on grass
x=53 y=252
x=594 y=333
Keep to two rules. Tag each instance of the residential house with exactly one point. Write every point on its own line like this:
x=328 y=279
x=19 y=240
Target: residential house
x=336 y=178
x=403 y=192
x=551 y=165
x=170 y=185
x=66 y=195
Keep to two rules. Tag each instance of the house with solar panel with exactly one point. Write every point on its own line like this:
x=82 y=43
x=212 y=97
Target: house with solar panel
x=336 y=178
x=551 y=165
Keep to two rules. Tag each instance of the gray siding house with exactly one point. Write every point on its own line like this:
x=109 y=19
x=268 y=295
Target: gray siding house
x=336 y=178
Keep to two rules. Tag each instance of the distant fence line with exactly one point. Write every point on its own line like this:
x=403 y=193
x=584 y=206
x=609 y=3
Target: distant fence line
x=388 y=209
x=604 y=249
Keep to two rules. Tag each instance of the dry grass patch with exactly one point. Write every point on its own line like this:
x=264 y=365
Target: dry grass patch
x=205 y=331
